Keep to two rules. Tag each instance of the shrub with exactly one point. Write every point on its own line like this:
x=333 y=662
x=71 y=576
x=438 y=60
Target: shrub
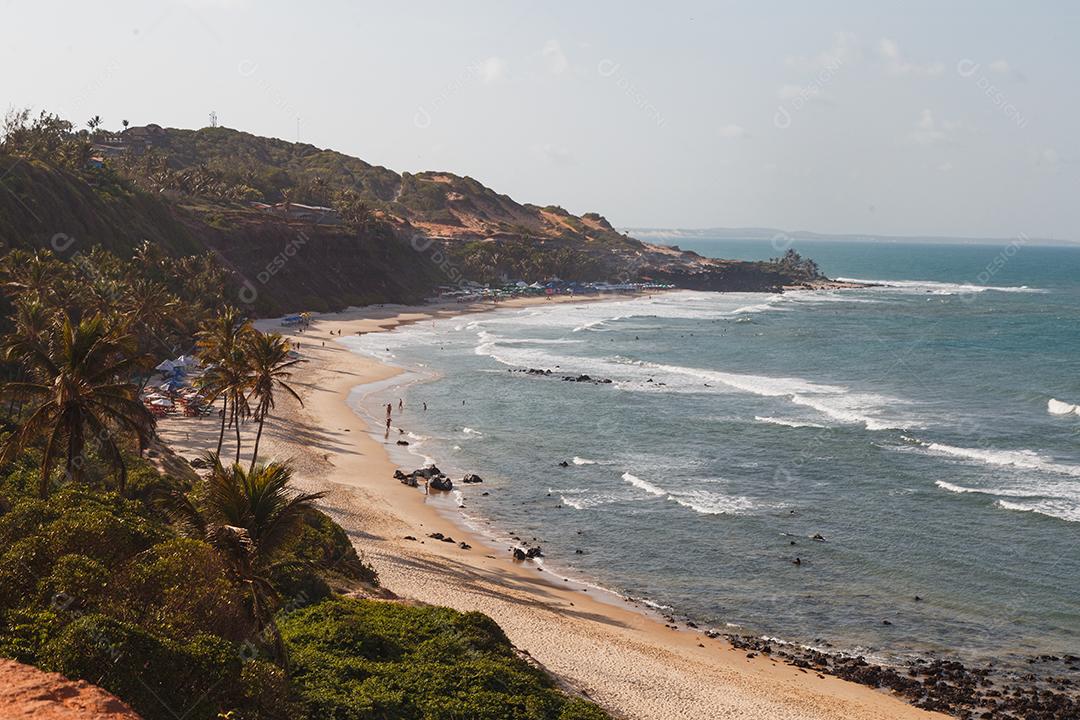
x=24 y=632
x=180 y=587
x=359 y=659
x=77 y=582
x=160 y=678
x=100 y=525
x=21 y=566
x=326 y=557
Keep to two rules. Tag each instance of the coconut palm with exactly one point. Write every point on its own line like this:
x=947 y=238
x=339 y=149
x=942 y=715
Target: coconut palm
x=77 y=392
x=248 y=517
x=269 y=362
x=151 y=310
x=32 y=321
x=37 y=275
x=219 y=349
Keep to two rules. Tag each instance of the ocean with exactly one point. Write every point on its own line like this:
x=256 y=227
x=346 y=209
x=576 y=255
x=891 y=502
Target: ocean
x=891 y=471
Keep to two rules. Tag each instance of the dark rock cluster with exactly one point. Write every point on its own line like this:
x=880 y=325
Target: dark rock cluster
x=942 y=685
x=565 y=378
x=435 y=478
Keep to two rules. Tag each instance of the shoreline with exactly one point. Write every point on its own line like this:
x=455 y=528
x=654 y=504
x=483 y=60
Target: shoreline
x=613 y=651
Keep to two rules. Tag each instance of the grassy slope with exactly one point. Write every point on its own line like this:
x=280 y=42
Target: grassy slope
x=37 y=202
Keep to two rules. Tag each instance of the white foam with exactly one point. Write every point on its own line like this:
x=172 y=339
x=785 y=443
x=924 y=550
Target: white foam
x=1057 y=407
x=597 y=323
x=700 y=501
x=643 y=485
x=583 y=461
x=576 y=503
x=1051 y=508
x=944 y=288
x=708 y=503
x=470 y=431
x=1026 y=459
x=834 y=401
x=769 y=304
x=959 y=488
x=787 y=423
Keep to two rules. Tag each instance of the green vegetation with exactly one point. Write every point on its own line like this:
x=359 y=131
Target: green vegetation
x=493 y=261
x=796 y=266
x=197 y=218
x=360 y=659
x=210 y=597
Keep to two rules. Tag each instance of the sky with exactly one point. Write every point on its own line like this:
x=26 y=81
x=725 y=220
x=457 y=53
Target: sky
x=890 y=118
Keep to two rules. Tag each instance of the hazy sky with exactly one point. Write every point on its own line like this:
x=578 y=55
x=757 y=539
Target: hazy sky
x=956 y=118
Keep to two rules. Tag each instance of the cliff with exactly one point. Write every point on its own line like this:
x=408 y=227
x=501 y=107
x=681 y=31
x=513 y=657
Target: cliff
x=304 y=227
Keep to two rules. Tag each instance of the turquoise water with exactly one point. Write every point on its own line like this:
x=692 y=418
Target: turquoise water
x=909 y=425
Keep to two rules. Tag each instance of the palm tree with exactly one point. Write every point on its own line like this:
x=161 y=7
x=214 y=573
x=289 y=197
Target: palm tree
x=32 y=320
x=248 y=517
x=151 y=310
x=269 y=362
x=219 y=349
x=76 y=391
x=37 y=275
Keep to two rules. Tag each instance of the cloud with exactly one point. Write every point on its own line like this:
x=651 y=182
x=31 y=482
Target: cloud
x=554 y=57
x=491 y=70
x=843 y=51
x=731 y=131
x=930 y=131
x=896 y=64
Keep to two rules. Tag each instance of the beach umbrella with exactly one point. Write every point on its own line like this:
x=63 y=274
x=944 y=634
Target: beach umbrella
x=171 y=385
x=162 y=402
x=166 y=366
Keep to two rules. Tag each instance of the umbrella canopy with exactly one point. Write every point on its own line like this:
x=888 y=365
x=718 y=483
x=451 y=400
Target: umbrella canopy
x=166 y=366
x=162 y=402
x=185 y=361
x=171 y=385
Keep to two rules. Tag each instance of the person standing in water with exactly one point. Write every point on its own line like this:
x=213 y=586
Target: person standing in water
x=425 y=407
x=400 y=404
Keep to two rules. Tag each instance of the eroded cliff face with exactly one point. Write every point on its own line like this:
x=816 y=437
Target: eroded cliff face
x=436 y=229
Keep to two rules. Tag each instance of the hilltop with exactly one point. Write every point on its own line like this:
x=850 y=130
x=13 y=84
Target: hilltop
x=297 y=226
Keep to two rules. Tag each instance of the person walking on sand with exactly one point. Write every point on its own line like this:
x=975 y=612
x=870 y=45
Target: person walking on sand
x=400 y=404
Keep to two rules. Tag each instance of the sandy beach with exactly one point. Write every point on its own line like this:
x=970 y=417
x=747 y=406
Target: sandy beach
x=618 y=655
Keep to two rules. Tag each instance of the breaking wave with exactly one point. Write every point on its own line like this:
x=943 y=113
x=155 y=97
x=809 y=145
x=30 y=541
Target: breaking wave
x=942 y=288
x=1057 y=407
